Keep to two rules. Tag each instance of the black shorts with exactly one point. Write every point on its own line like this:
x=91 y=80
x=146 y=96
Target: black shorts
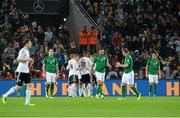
x=22 y=78
x=85 y=79
x=73 y=79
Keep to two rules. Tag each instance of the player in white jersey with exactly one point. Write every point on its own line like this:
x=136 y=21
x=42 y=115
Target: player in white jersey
x=74 y=75
x=22 y=72
x=86 y=65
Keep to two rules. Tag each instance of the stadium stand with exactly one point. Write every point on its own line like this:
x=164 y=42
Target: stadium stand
x=142 y=26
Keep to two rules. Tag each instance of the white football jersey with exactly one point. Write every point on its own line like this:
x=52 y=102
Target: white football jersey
x=85 y=64
x=73 y=67
x=23 y=66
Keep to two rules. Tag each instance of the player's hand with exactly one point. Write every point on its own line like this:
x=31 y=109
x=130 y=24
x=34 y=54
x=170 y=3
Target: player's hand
x=117 y=64
x=147 y=76
x=57 y=76
x=160 y=77
x=109 y=66
x=43 y=75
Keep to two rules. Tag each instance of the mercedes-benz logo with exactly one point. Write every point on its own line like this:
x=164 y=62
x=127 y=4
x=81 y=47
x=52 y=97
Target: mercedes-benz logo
x=38 y=6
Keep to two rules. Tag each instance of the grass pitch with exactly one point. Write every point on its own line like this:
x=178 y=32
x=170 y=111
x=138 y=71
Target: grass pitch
x=92 y=107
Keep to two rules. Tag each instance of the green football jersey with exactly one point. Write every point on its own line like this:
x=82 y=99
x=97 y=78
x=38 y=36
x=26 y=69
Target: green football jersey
x=101 y=63
x=153 y=65
x=128 y=60
x=50 y=63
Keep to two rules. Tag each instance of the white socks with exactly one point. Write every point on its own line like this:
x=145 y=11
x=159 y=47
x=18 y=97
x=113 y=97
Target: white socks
x=74 y=89
x=84 y=90
x=80 y=91
x=89 y=90
x=11 y=91
x=69 y=91
x=28 y=95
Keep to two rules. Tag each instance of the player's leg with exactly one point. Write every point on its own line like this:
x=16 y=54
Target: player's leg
x=9 y=92
x=155 y=84
x=150 y=84
x=53 y=81
x=73 y=85
x=123 y=87
x=80 y=90
x=89 y=89
x=84 y=89
x=84 y=85
x=48 y=83
x=100 y=81
x=130 y=77
x=70 y=89
x=52 y=89
x=88 y=85
x=19 y=83
x=98 y=77
x=27 y=81
x=94 y=83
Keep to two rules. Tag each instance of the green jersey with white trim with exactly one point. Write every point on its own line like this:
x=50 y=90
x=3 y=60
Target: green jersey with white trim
x=128 y=60
x=50 y=63
x=101 y=62
x=153 y=65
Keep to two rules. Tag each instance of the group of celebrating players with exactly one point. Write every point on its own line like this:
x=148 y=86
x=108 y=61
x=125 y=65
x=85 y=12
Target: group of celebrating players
x=81 y=72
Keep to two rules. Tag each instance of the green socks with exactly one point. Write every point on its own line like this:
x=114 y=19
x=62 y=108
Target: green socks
x=135 y=90
x=25 y=87
x=123 y=91
x=52 y=89
x=155 y=88
x=99 y=91
x=47 y=88
x=150 y=88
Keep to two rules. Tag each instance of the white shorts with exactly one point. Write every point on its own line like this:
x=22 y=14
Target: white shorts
x=100 y=76
x=128 y=78
x=50 y=77
x=153 y=78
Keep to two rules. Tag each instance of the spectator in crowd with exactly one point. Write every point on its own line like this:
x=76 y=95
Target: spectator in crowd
x=60 y=57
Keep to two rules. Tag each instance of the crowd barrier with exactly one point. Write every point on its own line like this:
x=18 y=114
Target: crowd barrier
x=110 y=88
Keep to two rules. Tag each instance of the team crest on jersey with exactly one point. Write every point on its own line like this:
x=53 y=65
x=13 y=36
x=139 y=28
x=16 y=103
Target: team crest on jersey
x=52 y=61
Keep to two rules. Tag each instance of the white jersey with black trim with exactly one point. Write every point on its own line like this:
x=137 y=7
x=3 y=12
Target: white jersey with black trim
x=85 y=64
x=73 y=67
x=23 y=66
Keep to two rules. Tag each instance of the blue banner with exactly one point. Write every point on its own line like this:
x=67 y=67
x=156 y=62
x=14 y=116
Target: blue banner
x=110 y=87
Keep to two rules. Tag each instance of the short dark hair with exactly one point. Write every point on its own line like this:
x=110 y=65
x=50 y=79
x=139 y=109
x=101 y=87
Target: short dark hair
x=125 y=50
x=26 y=41
x=154 y=52
x=85 y=53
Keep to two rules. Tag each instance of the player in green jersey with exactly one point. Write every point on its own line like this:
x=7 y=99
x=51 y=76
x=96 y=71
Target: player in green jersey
x=128 y=75
x=101 y=63
x=153 y=71
x=50 y=72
